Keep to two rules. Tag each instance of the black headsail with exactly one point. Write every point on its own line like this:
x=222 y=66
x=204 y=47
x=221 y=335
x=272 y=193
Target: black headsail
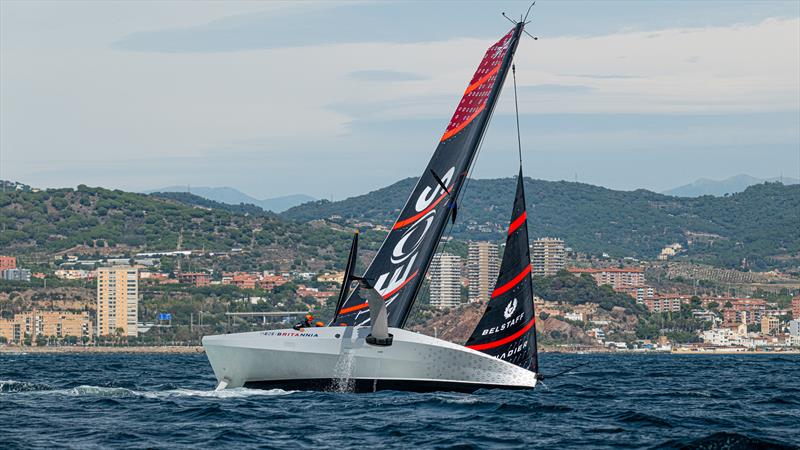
x=400 y=265
x=507 y=329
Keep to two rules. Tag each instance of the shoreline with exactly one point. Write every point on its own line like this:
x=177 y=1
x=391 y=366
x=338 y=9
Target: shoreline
x=92 y=349
x=194 y=349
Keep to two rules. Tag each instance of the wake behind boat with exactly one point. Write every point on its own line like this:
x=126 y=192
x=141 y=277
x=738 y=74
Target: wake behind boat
x=365 y=348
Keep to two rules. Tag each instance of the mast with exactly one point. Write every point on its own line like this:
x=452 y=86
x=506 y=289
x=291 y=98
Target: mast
x=400 y=265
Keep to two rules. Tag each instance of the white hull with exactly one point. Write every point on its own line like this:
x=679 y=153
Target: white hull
x=339 y=358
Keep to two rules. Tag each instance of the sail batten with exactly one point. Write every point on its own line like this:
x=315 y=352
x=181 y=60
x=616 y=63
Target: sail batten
x=405 y=255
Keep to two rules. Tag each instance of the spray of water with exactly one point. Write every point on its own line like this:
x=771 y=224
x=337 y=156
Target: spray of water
x=344 y=372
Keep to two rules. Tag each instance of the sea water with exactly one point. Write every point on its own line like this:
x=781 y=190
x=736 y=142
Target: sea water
x=624 y=400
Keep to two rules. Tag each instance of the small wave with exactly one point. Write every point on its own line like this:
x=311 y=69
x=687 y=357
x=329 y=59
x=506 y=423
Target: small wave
x=778 y=401
x=226 y=393
x=641 y=418
x=97 y=391
x=458 y=399
x=726 y=441
x=9 y=386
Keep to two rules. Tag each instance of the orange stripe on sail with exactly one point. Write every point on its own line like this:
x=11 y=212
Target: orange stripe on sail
x=386 y=296
x=353 y=308
x=508 y=286
x=482 y=80
x=461 y=126
x=416 y=217
x=517 y=222
x=504 y=340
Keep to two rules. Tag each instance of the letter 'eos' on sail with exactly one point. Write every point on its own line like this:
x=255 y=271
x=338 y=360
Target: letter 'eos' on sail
x=400 y=264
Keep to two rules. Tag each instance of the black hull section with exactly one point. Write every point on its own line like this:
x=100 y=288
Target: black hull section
x=361 y=385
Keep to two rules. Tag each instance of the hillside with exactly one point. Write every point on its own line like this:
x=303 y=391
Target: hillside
x=231 y=196
x=90 y=219
x=758 y=226
x=203 y=202
x=737 y=183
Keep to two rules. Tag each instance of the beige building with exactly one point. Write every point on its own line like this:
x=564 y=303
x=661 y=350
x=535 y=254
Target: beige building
x=117 y=300
x=547 y=256
x=615 y=277
x=445 y=280
x=58 y=324
x=335 y=277
x=483 y=264
x=769 y=324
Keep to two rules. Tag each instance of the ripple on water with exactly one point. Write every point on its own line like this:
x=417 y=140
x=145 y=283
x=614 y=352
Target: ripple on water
x=639 y=418
x=726 y=441
x=616 y=401
x=9 y=386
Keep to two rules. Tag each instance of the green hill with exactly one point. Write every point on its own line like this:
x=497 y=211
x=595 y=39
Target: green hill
x=758 y=226
x=43 y=223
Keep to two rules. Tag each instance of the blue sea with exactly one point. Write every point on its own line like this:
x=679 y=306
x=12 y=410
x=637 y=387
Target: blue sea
x=633 y=401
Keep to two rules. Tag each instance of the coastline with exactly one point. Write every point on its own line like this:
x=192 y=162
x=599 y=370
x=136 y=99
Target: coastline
x=93 y=349
x=192 y=349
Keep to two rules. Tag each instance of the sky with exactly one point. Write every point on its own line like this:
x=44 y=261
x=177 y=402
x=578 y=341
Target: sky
x=337 y=99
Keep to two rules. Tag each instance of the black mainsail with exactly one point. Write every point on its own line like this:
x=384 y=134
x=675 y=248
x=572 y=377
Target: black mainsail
x=507 y=329
x=397 y=270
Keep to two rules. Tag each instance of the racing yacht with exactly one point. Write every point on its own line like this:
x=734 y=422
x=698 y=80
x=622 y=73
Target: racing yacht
x=365 y=348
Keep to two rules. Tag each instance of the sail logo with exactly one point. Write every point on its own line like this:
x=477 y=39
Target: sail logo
x=501 y=49
x=289 y=334
x=513 y=351
x=405 y=251
x=510 y=308
x=504 y=326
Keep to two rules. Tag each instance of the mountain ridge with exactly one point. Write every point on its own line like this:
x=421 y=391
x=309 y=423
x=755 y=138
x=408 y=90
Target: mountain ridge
x=233 y=196
x=730 y=185
x=752 y=229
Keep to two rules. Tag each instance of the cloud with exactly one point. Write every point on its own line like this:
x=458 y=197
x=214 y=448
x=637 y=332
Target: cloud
x=384 y=75
x=87 y=111
x=303 y=25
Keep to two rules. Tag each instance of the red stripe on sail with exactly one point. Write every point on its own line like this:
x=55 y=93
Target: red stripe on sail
x=416 y=217
x=386 y=296
x=505 y=340
x=508 y=286
x=517 y=222
x=394 y=291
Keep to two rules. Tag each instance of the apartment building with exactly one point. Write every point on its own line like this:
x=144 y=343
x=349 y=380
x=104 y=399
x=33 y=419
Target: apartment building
x=198 y=279
x=117 y=300
x=483 y=264
x=35 y=323
x=547 y=256
x=7 y=262
x=445 y=272
x=618 y=278
x=744 y=310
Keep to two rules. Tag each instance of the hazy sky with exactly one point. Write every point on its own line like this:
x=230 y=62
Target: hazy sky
x=336 y=99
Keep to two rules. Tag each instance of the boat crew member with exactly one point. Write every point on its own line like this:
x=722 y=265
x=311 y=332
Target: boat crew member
x=307 y=322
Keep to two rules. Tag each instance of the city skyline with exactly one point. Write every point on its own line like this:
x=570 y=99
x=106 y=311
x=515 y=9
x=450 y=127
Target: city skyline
x=144 y=96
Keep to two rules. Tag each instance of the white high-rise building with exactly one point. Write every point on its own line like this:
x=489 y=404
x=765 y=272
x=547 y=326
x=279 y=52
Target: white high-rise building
x=547 y=256
x=483 y=264
x=445 y=280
